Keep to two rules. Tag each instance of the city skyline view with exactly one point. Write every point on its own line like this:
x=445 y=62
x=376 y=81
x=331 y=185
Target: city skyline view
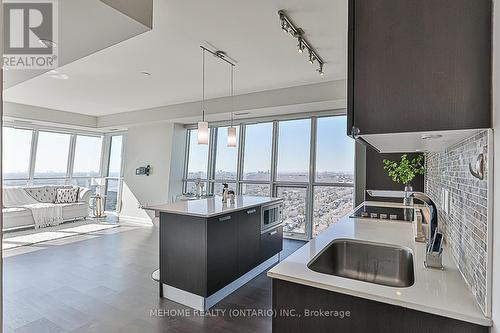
x=333 y=181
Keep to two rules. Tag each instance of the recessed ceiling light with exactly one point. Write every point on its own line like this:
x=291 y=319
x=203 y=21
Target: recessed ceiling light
x=47 y=43
x=431 y=136
x=145 y=73
x=57 y=75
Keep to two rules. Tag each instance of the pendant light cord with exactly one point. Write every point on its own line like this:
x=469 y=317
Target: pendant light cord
x=203 y=85
x=232 y=94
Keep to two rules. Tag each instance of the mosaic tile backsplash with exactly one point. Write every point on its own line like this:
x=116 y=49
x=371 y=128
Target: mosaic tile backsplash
x=465 y=225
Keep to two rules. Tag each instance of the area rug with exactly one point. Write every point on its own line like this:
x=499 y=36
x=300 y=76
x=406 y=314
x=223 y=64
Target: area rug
x=44 y=236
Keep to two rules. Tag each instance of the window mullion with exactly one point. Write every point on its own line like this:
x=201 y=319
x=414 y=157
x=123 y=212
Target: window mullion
x=186 y=160
x=274 y=157
x=241 y=159
x=71 y=159
x=312 y=178
x=34 y=144
x=212 y=155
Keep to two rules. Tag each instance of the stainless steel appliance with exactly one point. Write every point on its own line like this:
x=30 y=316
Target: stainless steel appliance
x=271 y=216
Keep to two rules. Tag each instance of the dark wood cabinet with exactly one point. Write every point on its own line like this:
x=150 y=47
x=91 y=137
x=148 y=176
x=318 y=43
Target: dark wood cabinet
x=318 y=310
x=183 y=252
x=248 y=239
x=419 y=65
x=222 y=251
x=271 y=243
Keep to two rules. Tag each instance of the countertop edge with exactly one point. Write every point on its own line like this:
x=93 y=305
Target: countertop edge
x=437 y=311
x=229 y=210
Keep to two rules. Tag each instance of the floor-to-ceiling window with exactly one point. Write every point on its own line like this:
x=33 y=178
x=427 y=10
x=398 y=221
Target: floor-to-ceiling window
x=308 y=162
x=333 y=186
x=114 y=174
x=36 y=156
x=257 y=164
x=51 y=158
x=87 y=161
x=16 y=156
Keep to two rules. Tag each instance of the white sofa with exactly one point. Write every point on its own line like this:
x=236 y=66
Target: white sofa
x=17 y=216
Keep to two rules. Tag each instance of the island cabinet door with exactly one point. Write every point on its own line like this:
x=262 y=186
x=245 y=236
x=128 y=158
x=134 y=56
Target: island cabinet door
x=271 y=243
x=222 y=251
x=248 y=239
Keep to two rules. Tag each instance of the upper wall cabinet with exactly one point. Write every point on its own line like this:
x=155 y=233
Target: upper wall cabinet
x=419 y=65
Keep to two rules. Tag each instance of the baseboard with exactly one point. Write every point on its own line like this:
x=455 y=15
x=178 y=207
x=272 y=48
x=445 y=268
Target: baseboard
x=135 y=219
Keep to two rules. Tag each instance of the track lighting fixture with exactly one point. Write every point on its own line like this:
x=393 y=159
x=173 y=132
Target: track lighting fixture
x=288 y=27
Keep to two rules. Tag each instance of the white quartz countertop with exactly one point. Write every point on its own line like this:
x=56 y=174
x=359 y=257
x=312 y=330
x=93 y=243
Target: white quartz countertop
x=443 y=293
x=213 y=206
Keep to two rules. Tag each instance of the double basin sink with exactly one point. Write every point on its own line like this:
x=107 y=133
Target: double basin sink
x=377 y=263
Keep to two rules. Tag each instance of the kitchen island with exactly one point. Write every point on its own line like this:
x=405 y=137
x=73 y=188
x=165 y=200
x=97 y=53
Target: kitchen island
x=208 y=248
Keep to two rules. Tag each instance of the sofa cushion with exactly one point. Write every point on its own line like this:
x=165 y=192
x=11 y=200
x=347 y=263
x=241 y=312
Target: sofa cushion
x=66 y=195
x=16 y=217
x=45 y=194
x=15 y=211
x=75 y=210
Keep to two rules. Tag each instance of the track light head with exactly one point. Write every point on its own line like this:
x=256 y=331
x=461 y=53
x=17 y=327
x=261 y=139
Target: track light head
x=320 y=69
x=311 y=58
x=300 y=45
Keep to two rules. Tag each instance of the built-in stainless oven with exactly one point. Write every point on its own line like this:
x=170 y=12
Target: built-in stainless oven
x=271 y=216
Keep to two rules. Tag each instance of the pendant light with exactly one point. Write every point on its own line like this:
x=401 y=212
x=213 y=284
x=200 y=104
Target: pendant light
x=231 y=131
x=203 y=125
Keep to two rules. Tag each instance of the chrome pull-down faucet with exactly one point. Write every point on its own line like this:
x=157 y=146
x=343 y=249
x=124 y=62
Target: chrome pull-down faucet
x=434 y=249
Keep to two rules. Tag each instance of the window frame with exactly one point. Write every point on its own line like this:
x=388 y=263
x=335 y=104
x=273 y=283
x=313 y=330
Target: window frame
x=30 y=159
x=310 y=184
x=105 y=162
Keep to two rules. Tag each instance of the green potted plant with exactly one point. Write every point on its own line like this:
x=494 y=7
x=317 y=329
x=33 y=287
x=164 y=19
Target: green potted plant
x=404 y=171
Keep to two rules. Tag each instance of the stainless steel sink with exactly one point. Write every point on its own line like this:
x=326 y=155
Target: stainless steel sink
x=383 y=264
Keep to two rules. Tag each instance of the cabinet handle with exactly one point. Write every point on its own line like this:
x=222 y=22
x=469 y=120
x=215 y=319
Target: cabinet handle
x=224 y=218
x=251 y=211
x=273 y=233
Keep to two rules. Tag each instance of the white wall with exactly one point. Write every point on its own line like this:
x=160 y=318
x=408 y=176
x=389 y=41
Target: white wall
x=150 y=145
x=496 y=168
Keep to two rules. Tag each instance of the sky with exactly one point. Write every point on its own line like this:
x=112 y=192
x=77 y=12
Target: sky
x=52 y=152
x=335 y=151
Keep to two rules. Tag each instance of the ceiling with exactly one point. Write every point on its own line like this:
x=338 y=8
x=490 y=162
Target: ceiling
x=75 y=39
x=110 y=81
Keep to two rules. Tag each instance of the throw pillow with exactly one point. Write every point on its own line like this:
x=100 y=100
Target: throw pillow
x=66 y=195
